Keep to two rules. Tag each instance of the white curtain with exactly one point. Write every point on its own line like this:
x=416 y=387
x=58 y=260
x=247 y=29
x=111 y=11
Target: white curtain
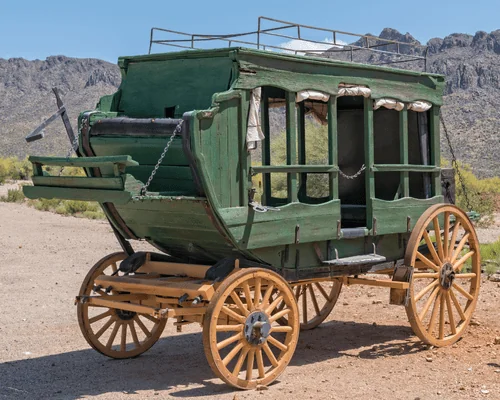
x=391 y=104
x=419 y=106
x=254 y=129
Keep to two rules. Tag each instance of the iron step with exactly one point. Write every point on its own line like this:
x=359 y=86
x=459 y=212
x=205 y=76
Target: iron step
x=365 y=259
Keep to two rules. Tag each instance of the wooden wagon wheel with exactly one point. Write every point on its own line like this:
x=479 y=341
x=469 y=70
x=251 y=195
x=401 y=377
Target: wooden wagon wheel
x=115 y=333
x=243 y=343
x=322 y=296
x=443 y=291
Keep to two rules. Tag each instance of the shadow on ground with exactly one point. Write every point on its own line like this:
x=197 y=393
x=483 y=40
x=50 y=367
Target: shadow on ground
x=179 y=361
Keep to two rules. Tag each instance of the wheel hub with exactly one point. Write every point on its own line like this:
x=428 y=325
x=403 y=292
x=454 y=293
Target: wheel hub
x=447 y=276
x=125 y=315
x=257 y=328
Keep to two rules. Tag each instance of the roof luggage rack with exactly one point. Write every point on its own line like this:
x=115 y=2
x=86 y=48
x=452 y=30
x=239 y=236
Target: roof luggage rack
x=340 y=45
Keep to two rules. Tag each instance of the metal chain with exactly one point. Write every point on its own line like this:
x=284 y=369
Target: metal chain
x=70 y=151
x=363 y=167
x=174 y=134
x=454 y=163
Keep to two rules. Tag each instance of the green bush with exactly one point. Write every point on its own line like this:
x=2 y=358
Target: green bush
x=13 y=196
x=13 y=168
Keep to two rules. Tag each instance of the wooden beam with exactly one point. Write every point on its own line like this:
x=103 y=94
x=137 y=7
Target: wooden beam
x=310 y=169
x=166 y=268
x=378 y=282
x=333 y=148
x=369 y=160
x=291 y=145
x=266 y=147
x=434 y=124
x=404 y=167
x=403 y=150
x=301 y=143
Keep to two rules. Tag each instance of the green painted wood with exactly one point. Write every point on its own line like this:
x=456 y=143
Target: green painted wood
x=403 y=151
x=332 y=148
x=243 y=154
x=99 y=195
x=434 y=123
x=79 y=182
x=252 y=230
x=294 y=73
x=122 y=160
x=291 y=144
x=392 y=216
x=301 y=148
x=369 y=160
x=266 y=149
x=295 y=168
x=404 y=168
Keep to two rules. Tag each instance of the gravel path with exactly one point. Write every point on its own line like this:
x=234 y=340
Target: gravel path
x=365 y=350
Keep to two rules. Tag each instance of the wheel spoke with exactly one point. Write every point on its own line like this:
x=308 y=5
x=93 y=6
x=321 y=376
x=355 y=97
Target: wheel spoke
x=230 y=313
x=241 y=360
x=279 y=315
x=244 y=310
x=423 y=275
x=453 y=238
x=431 y=248
x=320 y=288
x=134 y=334
x=267 y=294
x=458 y=265
x=142 y=326
x=446 y=233
x=251 y=356
x=441 y=317
x=113 y=335
x=277 y=343
x=229 y=340
x=425 y=290
x=248 y=296
x=427 y=305
x=304 y=305
x=260 y=363
x=114 y=267
x=232 y=354
x=459 y=248
x=229 y=328
x=465 y=276
x=257 y=293
x=435 y=309
x=437 y=234
x=427 y=262
x=298 y=292
x=270 y=355
x=151 y=318
x=314 y=300
x=457 y=305
x=274 y=304
x=462 y=291
x=281 y=329
x=450 y=314
x=105 y=326
x=100 y=316
x=123 y=344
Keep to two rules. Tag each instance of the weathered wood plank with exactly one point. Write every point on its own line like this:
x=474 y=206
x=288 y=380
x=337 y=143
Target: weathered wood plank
x=291 y=145
x=294 y=168
x=86 y=162
x=79 y=182
x=404 y=167
x=403 y=151
x=333 y=148
x=99 y=195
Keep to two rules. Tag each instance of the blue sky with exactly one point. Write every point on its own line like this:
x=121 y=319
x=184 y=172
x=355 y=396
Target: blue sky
x=106 y=29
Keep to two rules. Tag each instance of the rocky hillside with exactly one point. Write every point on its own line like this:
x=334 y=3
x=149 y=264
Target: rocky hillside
x=470 y=63
x=26 y=99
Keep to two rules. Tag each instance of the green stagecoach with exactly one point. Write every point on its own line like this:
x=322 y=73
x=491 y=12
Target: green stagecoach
x=256 y=245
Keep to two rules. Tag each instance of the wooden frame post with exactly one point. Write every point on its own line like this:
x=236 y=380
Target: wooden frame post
x=403 y=150
x=291 y=145
x=333 y=148
x=369 y=160
x=301 y=147
x=266 y=147
x=435 y=149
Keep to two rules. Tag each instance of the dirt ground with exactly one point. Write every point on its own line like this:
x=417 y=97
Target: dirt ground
x=365 y=350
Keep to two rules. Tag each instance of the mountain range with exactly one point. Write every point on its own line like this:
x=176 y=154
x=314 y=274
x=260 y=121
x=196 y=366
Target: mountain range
x=471 y=64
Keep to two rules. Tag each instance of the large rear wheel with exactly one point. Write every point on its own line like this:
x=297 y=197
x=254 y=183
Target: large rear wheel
x=444 y=250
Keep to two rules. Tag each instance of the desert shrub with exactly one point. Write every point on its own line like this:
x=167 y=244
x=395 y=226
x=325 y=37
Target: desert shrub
x=13 y=168
x=13 y=196
x=490 y=257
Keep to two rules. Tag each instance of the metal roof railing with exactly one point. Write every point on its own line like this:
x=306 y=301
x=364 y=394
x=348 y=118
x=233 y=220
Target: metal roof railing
x=336 y=46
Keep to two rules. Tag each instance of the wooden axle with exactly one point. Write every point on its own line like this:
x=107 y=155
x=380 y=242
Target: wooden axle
x=376 y=282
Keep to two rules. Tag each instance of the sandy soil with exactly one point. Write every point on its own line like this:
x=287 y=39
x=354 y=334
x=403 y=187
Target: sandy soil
x=365 y=350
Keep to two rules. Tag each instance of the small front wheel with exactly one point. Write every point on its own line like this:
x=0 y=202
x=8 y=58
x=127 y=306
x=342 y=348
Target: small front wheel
x=112 y=332
x=244 y=344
